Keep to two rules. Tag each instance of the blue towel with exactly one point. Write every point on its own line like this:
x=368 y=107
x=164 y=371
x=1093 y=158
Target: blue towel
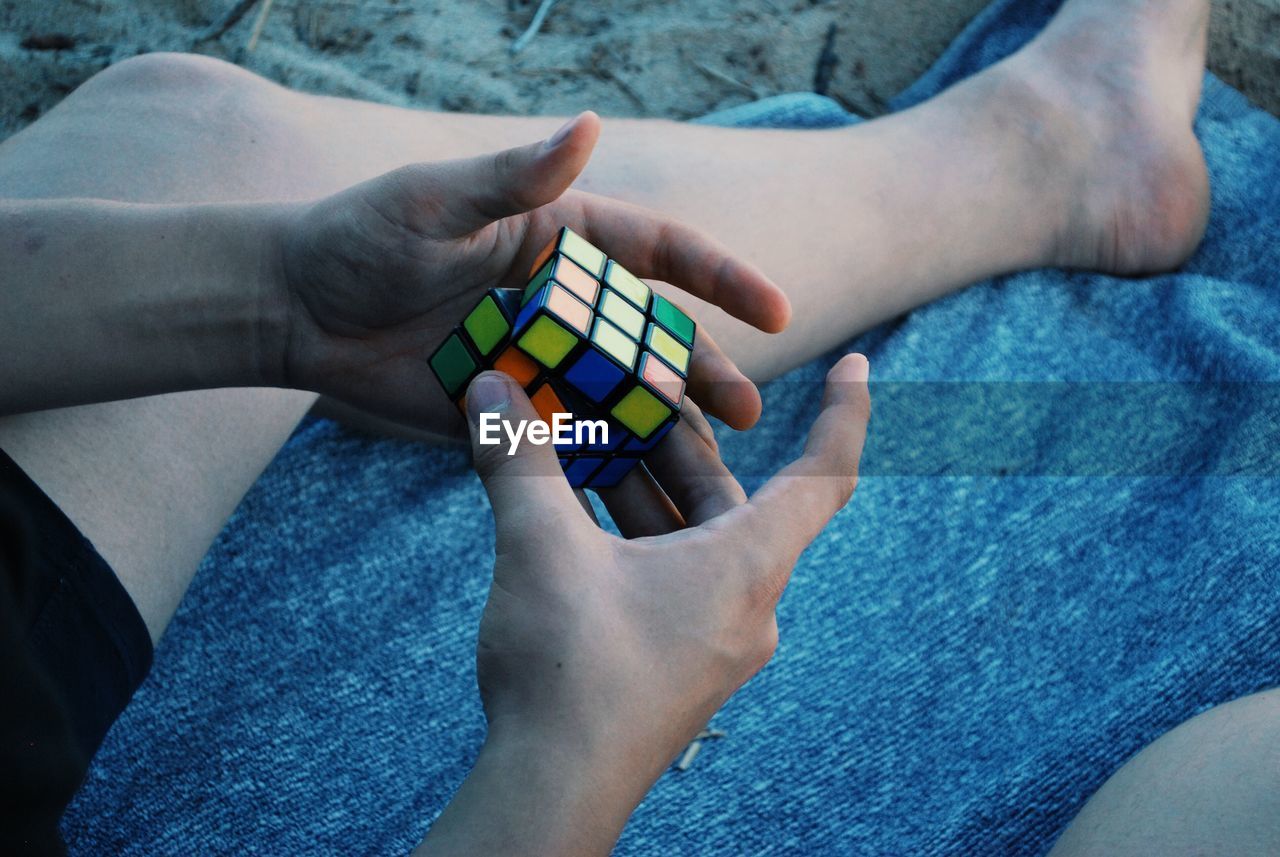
x=1038 y=577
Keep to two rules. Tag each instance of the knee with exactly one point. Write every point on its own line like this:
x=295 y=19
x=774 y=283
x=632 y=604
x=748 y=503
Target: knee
x=169 y=90
x=1208 y=786
x=167 y=74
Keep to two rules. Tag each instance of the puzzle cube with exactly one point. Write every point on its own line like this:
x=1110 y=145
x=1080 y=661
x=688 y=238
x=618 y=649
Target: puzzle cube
x=584 y=337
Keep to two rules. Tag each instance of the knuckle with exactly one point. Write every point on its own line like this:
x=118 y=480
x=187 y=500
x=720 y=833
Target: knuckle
x=409 y=200
x=763 y=646
x=845 y=486
x=699 y=491
x=663 y=250
x=510 y=180
x=697 y=421
x=411 y=177
x=489 y=459
x=723 y=280
x=506 y=164
x=763 y=590
x=839 y=470
x=413 y=185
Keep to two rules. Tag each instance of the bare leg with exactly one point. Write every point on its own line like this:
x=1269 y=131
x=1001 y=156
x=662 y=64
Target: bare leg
x=1077 y=151
x=151 y=481
x=1209 y=787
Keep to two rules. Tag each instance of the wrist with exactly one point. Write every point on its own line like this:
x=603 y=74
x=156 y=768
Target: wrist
x=119 y=300
x=218 y=305
x=530 y=794
x=274 y=306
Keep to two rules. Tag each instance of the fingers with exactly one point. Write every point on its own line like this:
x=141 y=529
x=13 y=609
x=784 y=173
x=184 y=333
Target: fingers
x=789 y=512
x=640 y=507
x=657 y=247
x=585 y=502
x=695 y=419
x=524 y=486
x=688 y=467
x=455 y=198
x=682 y=483
x=721 y=388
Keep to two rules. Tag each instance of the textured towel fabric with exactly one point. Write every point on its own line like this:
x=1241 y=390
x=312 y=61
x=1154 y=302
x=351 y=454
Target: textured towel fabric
x=1006 y=612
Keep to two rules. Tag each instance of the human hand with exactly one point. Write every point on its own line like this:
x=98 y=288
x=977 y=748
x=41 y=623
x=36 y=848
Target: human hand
x=376 y=276
x=599 y=658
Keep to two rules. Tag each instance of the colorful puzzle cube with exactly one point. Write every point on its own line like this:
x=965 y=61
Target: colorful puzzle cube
x=585 y=337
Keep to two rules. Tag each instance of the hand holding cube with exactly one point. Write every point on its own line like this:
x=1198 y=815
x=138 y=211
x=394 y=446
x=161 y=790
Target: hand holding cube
x=375 y=278
x=597 y=653
x=584 y=337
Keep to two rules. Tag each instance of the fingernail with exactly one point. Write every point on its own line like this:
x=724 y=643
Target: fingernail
x=559 y=137
x=852 y=368
x=863 y=368
x=488 y=395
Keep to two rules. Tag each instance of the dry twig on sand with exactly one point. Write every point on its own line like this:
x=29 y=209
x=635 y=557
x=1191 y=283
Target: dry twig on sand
x=229 y=20
x=259 y=24
x=827 y=61
x=599 y=65
x=695 y=746
x=534 y=26
x=716 y=74
x=628 y=89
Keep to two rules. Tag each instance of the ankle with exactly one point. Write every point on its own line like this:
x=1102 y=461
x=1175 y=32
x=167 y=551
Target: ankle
x=1110 y=157
x=1049 y=146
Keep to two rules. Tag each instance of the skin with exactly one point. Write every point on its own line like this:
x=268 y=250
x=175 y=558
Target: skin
x=1070 y=165
x=1076 y=151
x=1205 y=788
x=346 y=296
x=581 y=625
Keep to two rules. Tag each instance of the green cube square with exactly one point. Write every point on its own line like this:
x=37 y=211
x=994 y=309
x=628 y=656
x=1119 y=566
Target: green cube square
x=539 y=280
x=453 y=365
x=547 y=341
x=641 y=412
x=673 y=319
x=486 y=325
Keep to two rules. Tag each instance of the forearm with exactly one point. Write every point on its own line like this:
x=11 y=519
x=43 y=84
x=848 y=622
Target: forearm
x=102 y=300
x=532 y=797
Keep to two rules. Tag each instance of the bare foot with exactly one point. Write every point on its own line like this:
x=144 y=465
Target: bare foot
x=1120 y=82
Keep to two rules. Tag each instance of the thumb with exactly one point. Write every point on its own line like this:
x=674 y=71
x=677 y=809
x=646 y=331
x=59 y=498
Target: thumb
x=524 y=480
x=478 y=191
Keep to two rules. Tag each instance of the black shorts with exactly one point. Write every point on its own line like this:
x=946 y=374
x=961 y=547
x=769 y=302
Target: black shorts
x=73 y=649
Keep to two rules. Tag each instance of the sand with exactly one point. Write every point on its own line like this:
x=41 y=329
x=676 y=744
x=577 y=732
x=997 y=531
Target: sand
x=626 y=58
